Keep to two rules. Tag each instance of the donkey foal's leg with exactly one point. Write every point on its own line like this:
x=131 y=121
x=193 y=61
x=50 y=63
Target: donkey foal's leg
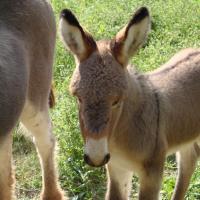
x=150 y=181
x=40 y=126
x=186 y=159
x=119 y=183
x=6 y=174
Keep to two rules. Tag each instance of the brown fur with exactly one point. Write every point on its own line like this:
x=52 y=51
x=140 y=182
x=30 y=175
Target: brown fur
x=148 y=115
x=27 y=42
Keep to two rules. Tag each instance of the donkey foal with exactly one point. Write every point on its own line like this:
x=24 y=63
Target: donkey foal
x=27 y=40
x=134 y=120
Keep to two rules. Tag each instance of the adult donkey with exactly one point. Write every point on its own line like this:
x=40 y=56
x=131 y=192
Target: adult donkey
x=27 y=40
x=134 y=120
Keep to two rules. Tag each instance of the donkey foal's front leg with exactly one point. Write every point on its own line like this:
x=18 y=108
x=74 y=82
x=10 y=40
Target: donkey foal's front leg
x=119 y=183
x=150 y=181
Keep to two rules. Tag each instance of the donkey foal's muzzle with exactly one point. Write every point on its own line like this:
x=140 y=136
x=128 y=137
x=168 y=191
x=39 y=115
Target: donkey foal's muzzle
x=89 y=161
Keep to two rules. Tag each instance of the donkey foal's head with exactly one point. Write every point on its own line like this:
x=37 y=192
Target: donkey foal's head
x=99 y=81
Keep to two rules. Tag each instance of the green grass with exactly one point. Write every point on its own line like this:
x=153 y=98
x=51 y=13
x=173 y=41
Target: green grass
x=175 y=25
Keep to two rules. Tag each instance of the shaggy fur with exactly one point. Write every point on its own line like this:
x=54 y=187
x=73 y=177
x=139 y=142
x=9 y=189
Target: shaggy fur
x=27 y=40
x=145 y=117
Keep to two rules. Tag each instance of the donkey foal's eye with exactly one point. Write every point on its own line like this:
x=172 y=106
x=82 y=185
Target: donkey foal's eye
x=115 y=103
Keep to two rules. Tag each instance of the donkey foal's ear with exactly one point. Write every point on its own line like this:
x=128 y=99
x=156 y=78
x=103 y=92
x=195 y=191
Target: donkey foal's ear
x=132 y=36
x=78 y=41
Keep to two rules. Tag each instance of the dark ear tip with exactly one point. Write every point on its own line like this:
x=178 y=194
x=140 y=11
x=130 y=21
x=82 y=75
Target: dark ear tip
x=144 y=11
x=140 y=14
x=69 y=17
x=65 y=13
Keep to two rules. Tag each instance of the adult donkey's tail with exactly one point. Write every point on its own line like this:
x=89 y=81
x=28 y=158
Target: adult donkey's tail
x=52 y=101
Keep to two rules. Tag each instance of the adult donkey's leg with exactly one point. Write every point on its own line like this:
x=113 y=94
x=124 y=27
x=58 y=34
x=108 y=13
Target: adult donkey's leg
x=39 y=124
x=6 y=174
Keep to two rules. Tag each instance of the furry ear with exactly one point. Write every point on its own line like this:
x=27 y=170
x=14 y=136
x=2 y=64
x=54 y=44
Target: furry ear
x=131 y=37
x=78 y=41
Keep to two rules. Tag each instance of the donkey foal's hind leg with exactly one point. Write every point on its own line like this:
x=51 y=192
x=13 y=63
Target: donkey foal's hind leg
x=6 y=174
x=39 y=125
x=186 y=159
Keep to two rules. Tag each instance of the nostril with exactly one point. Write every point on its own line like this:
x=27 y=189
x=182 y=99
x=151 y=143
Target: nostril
x=87 y=160
x=106 y=159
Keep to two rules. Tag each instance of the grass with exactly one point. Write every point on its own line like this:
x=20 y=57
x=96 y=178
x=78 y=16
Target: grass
x=175 y=25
